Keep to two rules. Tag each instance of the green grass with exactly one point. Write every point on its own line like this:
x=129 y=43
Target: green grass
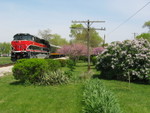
x=133 y=98
x=5 y=60
x=17 y=98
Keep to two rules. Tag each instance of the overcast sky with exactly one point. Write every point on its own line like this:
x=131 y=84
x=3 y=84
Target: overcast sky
x=30 y=16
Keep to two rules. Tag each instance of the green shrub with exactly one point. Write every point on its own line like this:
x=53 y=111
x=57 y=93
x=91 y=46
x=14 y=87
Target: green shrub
x=63 y=62
x=97 y=99
x=94 y=60
x=31 y=70
x=86 y=75
x=55 y=78
x=53 y=65
x=83 y=58
x=71 y=65
x=127 y=60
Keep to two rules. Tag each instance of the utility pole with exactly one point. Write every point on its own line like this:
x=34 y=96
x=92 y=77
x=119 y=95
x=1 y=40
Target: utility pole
x=134 y=35
x=104 y=40
x=88 y=23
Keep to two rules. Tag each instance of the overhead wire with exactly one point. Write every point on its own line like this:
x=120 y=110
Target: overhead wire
x=129 y=18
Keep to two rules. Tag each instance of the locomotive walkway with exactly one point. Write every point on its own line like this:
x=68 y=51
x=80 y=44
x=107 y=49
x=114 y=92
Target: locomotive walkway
x=4 y=70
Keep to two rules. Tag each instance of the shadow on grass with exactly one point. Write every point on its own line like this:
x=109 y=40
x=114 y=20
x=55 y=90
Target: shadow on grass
x=144 y=82
x=17 y=83
x=96 y=76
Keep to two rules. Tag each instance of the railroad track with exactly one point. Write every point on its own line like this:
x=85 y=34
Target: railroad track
x=6 y=65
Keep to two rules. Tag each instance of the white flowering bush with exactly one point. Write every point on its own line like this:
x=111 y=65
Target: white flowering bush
x=127 y=60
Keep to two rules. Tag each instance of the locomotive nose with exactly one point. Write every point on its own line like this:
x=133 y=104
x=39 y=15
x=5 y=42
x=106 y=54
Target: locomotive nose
x=18 y=45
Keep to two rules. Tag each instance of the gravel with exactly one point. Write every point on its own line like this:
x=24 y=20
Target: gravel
x=4 y=70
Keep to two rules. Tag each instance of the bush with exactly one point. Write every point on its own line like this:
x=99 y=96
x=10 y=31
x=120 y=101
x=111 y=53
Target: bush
x=55 y=78
x=98 y=100
x=94 y=60
x=127 y=60
x=63 y=62
x=40 y=71
x=31 y=70
x=71 y=64
x=53 y=65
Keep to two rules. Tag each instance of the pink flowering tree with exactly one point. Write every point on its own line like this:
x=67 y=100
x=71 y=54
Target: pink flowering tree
x=74 y=51
x=65 y=50
x=127 y=60
x=98 y=50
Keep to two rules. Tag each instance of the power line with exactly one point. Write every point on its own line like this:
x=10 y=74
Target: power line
x=129 y=18
x=88 y=28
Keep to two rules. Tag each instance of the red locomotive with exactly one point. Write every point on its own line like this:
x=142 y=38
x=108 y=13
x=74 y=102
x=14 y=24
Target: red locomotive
x=29 y=46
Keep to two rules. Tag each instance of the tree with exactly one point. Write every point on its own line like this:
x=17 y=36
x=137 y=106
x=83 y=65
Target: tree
x=57 y=40
x=80 y=35
x=74 y=51
x=144 y=36
x=5 y=48
x=54 y=39
x=98 y=50
x=45 y=34
x=147 y=24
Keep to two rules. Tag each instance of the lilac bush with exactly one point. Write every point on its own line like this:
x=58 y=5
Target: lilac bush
x=127 y=60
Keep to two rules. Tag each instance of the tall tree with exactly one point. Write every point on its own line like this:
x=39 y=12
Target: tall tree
x=45 y=34
x=147 y=24
x=57 y=40
x=80 y=35
x=144 y=36
x=54 y=39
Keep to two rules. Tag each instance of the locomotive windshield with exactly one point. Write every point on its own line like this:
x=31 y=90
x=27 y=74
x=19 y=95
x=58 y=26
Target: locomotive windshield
x=23 y=37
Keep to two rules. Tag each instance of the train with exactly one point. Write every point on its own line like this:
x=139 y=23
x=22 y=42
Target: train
x=25 y=45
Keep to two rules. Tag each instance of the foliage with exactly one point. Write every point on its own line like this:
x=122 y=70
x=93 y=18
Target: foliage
x=71 y=65
x=80 y=35
x=98 y=50
x=57 y=40
x=127 y=60
x=53 y=65
x=63 y=62
x=94 y=60
x=54 y=39
x=144 y=36
x=74 y=51
x=54 y=78
x=31 y=70
x=40 y=71
x=86 y=75
x=45 y=34
x=5 y=48
x=98 y=100
x=147 y=24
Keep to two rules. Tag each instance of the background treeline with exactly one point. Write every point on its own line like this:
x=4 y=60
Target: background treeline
x=5 y=48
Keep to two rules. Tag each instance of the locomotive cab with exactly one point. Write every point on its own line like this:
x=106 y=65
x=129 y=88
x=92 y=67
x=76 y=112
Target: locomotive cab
x=28 y=46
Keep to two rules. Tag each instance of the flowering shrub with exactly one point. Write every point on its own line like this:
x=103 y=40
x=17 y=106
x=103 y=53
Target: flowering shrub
x=98 y=50
x=127 y=60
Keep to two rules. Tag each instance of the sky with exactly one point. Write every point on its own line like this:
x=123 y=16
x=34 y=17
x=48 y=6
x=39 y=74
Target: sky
x=30 y=16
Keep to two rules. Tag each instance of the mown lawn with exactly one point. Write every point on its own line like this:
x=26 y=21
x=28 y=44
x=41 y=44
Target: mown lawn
x=17 y=98
x=5 y=60
x=133 y=98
